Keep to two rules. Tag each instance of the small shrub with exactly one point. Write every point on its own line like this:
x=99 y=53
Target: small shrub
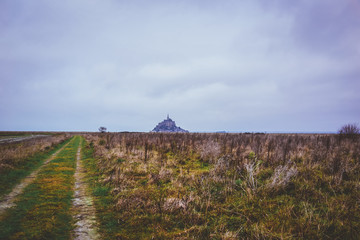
x=282 y=175
x=350 y=130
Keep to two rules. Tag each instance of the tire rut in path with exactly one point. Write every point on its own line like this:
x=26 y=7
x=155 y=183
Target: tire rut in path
x=8 y=200
x=83 y=206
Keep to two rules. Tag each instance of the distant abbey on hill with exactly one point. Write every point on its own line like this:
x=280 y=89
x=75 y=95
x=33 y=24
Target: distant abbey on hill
x=168 y=125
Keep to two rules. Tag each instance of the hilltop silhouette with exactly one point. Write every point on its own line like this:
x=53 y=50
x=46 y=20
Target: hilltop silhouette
x=168 y=125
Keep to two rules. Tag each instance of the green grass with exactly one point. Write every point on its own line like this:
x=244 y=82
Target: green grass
x=43 y=210
x=10 y=178
x=106 y=215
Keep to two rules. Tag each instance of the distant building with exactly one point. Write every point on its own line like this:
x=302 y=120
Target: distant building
x=168 y=125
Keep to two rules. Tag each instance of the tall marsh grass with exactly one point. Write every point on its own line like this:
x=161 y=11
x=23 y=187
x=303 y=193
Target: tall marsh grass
x=230 y=186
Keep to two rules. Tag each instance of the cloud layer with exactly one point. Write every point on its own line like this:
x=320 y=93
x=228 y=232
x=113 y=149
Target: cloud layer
x=235 y=66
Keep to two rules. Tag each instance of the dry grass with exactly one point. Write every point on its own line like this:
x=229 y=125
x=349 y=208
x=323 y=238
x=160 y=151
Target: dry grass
x=230 y=186
x=18 y=160
x=14 y=154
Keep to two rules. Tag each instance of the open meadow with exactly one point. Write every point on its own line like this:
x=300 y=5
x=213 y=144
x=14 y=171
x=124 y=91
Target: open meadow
x=181 y=186
x=227 y=186
x=176 y=120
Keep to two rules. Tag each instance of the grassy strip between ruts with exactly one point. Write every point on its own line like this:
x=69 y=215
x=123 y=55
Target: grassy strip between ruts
x=43 y=210
x=106 y=216
x=12 y=177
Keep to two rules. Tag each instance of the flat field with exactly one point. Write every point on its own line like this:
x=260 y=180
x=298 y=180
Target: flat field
x=227 y=186
x=8 y=137
x=186 y=186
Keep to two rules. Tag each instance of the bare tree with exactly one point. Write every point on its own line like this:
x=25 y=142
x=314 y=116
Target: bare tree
x=102 y=129
x=350 y=130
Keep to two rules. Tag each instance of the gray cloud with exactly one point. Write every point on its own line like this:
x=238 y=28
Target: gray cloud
x=238 y=66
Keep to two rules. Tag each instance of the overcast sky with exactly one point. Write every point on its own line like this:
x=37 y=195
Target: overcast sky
x=249 y=65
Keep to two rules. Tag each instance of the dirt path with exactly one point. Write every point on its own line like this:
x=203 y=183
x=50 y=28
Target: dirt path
x=19 y=138
x=83 y=207
x=8 y=200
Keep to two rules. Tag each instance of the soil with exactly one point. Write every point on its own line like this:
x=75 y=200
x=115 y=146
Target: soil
x=83 y=206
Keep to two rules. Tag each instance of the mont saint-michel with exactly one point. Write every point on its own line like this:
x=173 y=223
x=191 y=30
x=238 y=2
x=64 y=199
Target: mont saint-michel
x=168 y=125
